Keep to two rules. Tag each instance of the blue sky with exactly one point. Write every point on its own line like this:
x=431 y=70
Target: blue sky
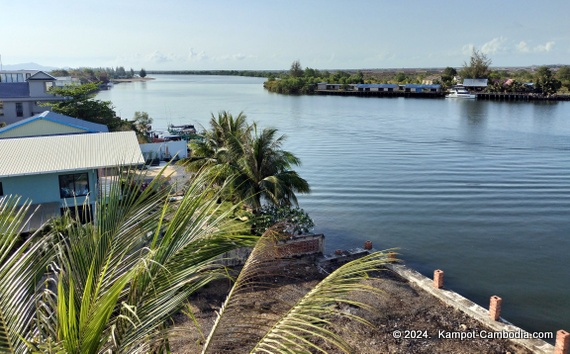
x=271 y=34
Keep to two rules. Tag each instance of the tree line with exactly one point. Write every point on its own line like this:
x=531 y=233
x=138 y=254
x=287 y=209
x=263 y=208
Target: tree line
x=99 y=75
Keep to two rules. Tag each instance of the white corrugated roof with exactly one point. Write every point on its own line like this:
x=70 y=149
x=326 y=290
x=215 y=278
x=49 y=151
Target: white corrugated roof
x=59 y=153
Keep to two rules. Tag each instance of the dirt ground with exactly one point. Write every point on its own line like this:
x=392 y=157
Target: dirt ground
x=402 y=308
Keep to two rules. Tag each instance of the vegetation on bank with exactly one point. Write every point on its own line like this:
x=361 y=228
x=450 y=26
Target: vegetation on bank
x=259 y=172
x=115 y=283
x=81 y=103
x=100 y=75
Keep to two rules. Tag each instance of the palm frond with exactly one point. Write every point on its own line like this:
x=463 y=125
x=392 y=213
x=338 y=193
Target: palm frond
x=23 y=264
x=306 y=325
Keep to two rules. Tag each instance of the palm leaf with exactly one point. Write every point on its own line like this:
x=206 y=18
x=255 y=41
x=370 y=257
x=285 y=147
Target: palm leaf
x=23 y=264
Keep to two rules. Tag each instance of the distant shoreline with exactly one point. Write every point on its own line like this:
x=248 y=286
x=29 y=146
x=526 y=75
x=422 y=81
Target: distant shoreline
x=134 y=79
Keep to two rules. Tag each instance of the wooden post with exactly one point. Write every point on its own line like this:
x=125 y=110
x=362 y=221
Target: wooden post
x=562 y=342
x=495 y=307
x=438 y=278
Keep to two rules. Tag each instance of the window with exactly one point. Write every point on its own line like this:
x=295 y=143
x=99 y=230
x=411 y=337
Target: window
x=74 y=185
x=19 y=109
x=48 y=85
x=1 y=108
x=1 y=190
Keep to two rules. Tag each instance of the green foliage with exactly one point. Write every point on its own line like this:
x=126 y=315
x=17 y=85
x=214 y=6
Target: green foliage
x=478 y=67
x=545 y=82
x=296 y=69
x=142 y=125
x=114 y=285
x=295 y=221
x=81 y=104
x=252 y=159
x=142 y=73
x=103 y=75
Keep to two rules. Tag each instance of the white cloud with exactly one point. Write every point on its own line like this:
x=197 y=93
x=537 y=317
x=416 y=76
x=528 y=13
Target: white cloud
x=546 y=47
x=523 y=47
x=467 y=49
x=494 y=45
x=158 y=57
x=196 y=56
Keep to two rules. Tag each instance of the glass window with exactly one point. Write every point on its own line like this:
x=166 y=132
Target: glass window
x=1 y=108
x=1 y=190
x=48 y=85
x=74 y=185
x=19 y=109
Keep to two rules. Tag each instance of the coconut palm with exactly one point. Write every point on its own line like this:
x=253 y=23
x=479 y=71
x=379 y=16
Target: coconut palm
x=260 y=169
x=264 y=172
x=112 y=285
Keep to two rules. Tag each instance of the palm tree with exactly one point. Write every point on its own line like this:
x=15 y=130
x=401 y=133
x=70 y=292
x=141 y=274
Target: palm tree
x=260 y=168
x=264 y=172
x=112 y=285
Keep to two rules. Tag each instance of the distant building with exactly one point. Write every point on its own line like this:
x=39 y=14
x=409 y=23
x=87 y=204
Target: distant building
x=22 y=92
x=475 y=84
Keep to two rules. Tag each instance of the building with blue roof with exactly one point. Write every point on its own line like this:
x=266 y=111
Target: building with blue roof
x=50 y=123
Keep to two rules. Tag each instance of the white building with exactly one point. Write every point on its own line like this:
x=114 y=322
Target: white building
x=22 y=92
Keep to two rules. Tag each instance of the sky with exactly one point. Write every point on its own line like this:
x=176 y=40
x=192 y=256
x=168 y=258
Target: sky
x=271 y=34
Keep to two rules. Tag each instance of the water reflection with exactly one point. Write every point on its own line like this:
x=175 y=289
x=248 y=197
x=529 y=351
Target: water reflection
x=473 y=117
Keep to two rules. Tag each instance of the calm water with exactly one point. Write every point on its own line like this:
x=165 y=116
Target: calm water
x=478 y=189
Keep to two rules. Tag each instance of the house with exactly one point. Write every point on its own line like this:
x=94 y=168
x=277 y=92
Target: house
x=55 y=172
x=50 y=123
x=377 y=87
x=475 y=84
x=22 y=92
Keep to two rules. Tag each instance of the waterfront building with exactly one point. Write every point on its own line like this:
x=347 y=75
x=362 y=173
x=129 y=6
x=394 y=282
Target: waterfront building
x=57 y=172
x=22 y=93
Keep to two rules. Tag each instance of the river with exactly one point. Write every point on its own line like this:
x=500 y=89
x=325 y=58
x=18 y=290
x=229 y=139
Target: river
x=478 y=189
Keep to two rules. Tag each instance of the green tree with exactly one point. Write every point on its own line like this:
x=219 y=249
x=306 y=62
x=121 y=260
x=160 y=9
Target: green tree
x=254 y=160
x=142 y=125
x=563 y=74
x=478 y=67
x=121 y=279
x=264 y=172
x=545 y=82
x=80 y=103
x=296 y=69
x=142 y=73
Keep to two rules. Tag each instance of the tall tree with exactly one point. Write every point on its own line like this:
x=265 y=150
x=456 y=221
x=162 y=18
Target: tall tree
x=478 y=67
x=142 y=73
x=545 y=82
x=296 y=69
x=81 y=103
x=255 y=161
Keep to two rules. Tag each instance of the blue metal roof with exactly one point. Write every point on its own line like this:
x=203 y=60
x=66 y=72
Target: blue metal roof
x=376 y=85
x=14 y=90
x=89 y=127
x=435 y=86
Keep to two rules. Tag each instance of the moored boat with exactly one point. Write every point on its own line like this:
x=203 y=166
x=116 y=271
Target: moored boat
x=459 y=91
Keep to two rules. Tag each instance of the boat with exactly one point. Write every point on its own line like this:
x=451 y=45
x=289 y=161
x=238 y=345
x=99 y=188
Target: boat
x=459 y=91
x=186 y=131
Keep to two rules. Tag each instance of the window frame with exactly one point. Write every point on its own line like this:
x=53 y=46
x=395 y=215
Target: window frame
x=75 y=181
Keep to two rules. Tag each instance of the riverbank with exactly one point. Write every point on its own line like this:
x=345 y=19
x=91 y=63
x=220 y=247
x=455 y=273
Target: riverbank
x=133 y=79
x=404 y=308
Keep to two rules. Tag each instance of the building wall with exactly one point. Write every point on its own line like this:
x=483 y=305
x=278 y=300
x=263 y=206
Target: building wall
x=43 y=189
x=38 y=88
x=40 y=127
